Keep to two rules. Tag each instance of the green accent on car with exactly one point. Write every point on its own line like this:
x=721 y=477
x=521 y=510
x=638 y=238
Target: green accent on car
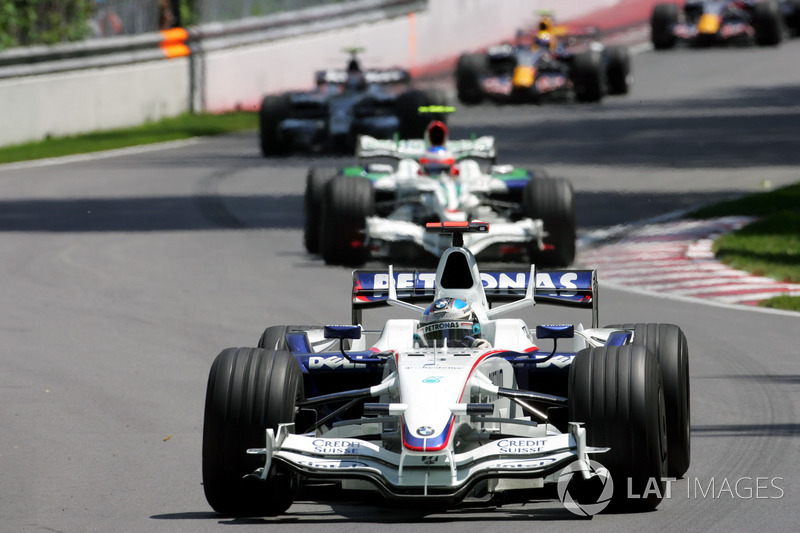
x=359 y=172
x=516 y=174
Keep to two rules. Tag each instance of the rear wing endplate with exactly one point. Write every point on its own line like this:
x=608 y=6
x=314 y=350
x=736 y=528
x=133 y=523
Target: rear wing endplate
x=568 y=288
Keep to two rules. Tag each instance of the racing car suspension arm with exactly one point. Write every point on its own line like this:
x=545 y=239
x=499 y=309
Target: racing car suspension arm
x=516 y=394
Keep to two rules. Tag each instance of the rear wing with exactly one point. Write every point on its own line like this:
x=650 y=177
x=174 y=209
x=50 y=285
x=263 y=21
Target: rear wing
x=479 y=148
x=569 y=288
x=377 y=76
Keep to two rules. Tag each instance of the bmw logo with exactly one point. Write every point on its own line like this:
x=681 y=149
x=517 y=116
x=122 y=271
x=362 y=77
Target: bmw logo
x=425 y=431
x=440 y=304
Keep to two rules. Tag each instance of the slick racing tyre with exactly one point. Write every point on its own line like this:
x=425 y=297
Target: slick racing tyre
x=663 y=19
x=588 y=76
x=348 y=202
x=668 y=343
x=249 y=390
x=413 y=123
x=316 y=180
x=618 y=70
x=617 y=393
x=274 y=110
x=768 y=23
x=552 y=201
x=469 y=71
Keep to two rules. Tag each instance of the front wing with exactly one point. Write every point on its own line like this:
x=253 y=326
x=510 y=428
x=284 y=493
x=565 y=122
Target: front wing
x=423 y=475
x=392 y=231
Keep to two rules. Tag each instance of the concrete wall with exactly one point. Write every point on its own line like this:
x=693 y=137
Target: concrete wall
x=34 y=107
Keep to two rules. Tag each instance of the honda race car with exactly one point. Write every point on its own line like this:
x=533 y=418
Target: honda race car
x=720 y=22
x=451 y=401
x=344 y=104
x=379 y=210
x=556 y=64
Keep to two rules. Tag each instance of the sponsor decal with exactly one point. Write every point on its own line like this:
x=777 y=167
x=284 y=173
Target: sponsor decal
x=335 y=447
x=433 y=379
x=520 y=445
x=425 y=431
x=332 y=362
x=546 y=84
x=497 y=85
x=331 y=464
x=525 y=463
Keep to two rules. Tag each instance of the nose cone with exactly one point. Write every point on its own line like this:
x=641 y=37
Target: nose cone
x=524 y=76
x=709 y=24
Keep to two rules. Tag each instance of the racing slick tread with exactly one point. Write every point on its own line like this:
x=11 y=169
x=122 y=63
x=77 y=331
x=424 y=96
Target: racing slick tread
x=469 y=70
x=669 y=344
x=249 y=390
x=316 y=180
x=552 y=201
x=617 y=392
x=274 y=109
x=348 y=202
x=664 y=17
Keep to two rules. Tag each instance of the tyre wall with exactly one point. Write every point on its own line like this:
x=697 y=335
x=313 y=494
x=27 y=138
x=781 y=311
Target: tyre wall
x=92 y=99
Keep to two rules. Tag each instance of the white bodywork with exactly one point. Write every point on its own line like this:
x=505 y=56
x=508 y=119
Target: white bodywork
x=443 y=197
x=448 y=424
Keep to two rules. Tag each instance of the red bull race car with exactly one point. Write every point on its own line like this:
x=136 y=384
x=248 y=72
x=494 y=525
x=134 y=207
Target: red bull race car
x=452 y=401
x=722 y=22
x=555 y=64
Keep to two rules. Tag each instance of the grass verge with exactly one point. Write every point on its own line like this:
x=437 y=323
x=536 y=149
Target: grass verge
x=171 y=129
x=768 y=247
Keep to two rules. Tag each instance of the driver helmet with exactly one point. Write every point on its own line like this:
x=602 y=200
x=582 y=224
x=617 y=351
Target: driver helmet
x=448 y=320
x=356 y=80
x=545 y=40
x=437 y=158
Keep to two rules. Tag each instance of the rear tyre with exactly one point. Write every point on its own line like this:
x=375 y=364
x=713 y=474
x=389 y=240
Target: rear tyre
x=616 y=391
x=469 y=71
x=663 y=19
x=348 y=203
x=552 y=201
x=588 y=76
x=274 y=337
x=618 y=70
x=768 y=23
x=274 y=110
x=249 y=390
x=669 y=344
x=316 y=180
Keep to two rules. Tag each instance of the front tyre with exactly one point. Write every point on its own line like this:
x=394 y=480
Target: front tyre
x=348 y=203
x=316 y=180
x=552 y=201
x=768 y=23
x=469 y=71
x=663 y=19
x=669 y=344
x=617 y=392
x=618 y=70
x=249 y=390
x=274 y=110
x=588 y=76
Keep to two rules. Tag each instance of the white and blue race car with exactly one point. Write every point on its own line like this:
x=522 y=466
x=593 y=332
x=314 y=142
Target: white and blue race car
x=452 y=402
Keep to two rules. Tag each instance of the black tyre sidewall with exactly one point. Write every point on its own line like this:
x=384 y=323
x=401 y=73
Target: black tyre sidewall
x=469 y=70
x=664 y=16
x=348 y=203
x=316 y=180
x=552 y=201
x=588 y=76
x=249 y=390
x=274 y=110
x=617 y=392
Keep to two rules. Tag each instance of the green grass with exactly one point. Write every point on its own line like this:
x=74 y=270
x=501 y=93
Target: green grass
x=768 y=247
x=182 y=127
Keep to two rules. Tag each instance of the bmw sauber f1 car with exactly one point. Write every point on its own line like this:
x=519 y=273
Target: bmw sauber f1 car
x=557 y=64
x=345 y=104
x=718 y=22
x=453 y=401
x=379 y=210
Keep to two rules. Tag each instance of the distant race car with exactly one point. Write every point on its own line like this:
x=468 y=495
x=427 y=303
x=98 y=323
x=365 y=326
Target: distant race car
x=379 y=210
x=344 y=104
x=453 y=403
x=722 y=22
x=556 y=64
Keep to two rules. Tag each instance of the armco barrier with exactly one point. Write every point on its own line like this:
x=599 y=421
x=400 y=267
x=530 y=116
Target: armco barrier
x=124 y=81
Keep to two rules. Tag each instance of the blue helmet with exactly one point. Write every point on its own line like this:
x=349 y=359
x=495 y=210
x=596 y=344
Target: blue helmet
x=448 y=320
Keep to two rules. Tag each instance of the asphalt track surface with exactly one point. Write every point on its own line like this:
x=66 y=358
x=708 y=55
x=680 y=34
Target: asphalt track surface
x=124 y=276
